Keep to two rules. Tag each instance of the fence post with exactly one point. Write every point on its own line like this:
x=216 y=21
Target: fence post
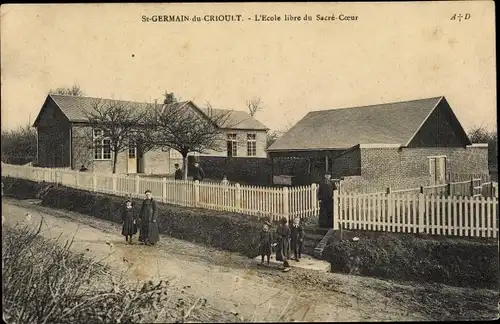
x=472 y=186
x=196 y=192
x=448 y=189
x=285 y=203
x=94 y=181
x=314 y=199
x=114 y=182
x=77 y=175
x=421 y=210
x=137 y=187
x=238 y=197
x=164 y=190
x=389 y=204
x=336 y=210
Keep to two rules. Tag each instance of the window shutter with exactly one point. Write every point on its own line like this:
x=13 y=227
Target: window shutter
x=442 y=169
x=432 y=170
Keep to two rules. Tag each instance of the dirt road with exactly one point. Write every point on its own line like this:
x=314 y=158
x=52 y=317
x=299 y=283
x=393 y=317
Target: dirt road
x=228 y=281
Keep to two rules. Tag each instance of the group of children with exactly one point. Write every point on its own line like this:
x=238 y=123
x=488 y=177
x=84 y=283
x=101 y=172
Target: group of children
x=285 y=240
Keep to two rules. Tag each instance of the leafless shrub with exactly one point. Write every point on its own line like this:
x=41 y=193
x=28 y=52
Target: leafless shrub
x=44 y=282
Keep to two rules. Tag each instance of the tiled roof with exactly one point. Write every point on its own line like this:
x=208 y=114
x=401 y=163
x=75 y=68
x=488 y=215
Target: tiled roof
x=74 y=107
x=236 y=119
x=389 y=123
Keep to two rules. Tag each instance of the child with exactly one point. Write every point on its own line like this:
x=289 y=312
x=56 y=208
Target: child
x=283 y=246
x=266 y=240
x=224 y=181
x=297 y=238
x=129 y=227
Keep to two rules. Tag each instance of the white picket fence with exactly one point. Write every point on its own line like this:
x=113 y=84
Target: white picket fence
x=418 y=213
x=252 y=200
x=406 y=212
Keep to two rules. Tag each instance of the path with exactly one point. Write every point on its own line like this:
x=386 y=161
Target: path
x=227 y=280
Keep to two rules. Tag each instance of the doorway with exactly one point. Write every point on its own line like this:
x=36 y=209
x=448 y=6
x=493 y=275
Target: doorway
x=132 y=159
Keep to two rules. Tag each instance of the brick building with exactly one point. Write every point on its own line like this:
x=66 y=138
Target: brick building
x=65 y=139
x=401 y=144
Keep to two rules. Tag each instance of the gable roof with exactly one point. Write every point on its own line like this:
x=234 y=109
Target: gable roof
x=236 y=119
x=388 y=123
x=73 y=108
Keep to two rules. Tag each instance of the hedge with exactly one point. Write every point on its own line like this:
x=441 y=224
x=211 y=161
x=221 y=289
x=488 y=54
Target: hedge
x=456 y=262
x=229 y=231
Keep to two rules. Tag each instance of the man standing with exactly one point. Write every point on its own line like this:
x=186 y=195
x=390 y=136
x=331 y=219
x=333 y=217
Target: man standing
x=178 y=172
x=199 y=174
x=325 y=197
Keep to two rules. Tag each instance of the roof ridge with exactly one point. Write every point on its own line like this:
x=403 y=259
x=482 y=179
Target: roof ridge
x=102 y=98
x=379 y=104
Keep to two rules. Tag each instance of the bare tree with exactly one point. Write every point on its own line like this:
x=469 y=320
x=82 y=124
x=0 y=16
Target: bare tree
x=114 y=126
x=177 y=126
x=75 y=90
x=272 y=136
x=480 y=134
x=254 y=105
x=19 y=146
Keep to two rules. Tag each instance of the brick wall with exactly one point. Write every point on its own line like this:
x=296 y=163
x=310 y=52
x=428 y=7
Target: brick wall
x=347 y=164
x=82 y=147
x=241 y=138
x=159 y=162
x=156 y=162
x=409 y=167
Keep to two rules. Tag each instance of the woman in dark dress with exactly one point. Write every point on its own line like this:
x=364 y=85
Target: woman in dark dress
x=129 y=227
x=149 y=233
x=283 y=246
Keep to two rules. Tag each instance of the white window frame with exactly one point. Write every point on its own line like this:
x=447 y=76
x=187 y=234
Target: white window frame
x=438 y=162
x=251 y=144
x=100 y=143
x=233 y=139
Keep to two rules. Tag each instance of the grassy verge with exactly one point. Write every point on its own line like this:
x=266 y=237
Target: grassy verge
x=46 y=283
x=457 y=262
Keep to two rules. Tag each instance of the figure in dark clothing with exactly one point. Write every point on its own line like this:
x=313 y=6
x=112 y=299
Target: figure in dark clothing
x=283 y=244
x=325 y=197
x=297 y=238
x=149 y=233
x=178 y=172
x=129 y=226
x=266 y=242
x=199 y=174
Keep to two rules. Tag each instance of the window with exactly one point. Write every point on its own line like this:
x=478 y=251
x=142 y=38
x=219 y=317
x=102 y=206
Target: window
x=437 y=169
x=232 y=145
x=102 y=146
x=251 y=145
x=132 y=150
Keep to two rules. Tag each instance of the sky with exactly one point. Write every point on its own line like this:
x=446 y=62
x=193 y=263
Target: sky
x=392 y=52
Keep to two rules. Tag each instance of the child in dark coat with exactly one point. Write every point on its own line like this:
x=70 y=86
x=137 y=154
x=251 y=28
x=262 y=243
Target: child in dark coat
x=296 y=238
x=129 y=227
x=266 y=241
